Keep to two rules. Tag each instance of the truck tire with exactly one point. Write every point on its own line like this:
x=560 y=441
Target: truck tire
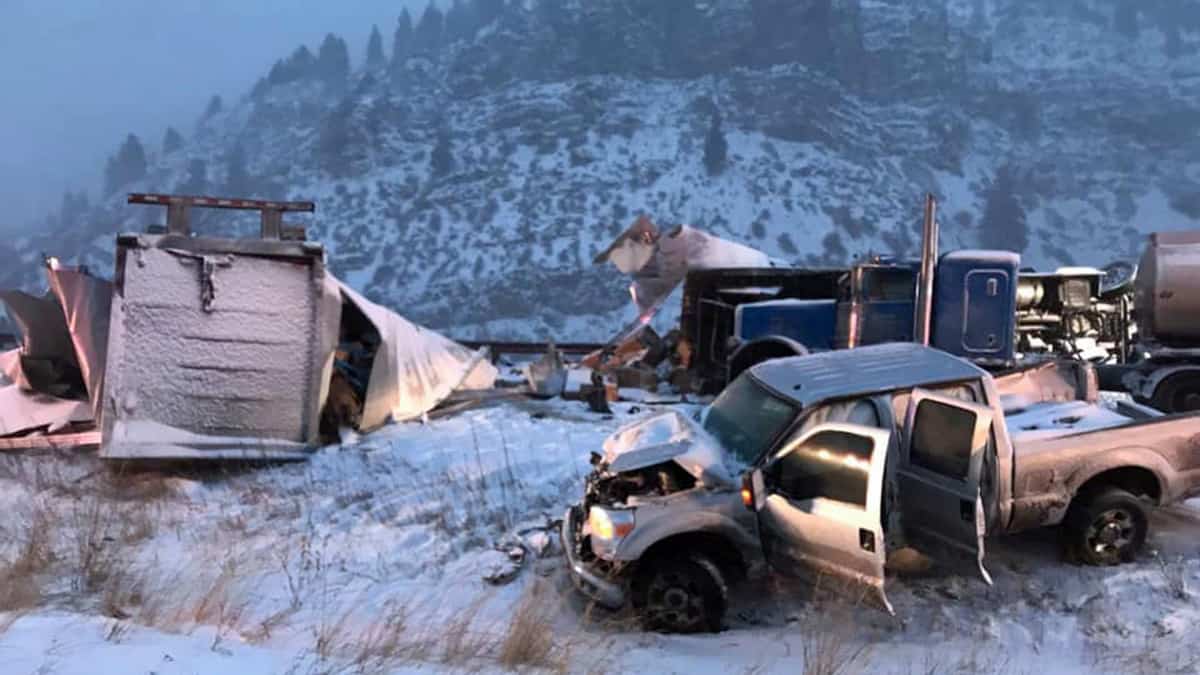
x=753 y=353
x=1178 y=393
x=1106 y=527
x=681 y=594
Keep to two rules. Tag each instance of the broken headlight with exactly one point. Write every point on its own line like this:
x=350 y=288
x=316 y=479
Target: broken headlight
x=610 y=525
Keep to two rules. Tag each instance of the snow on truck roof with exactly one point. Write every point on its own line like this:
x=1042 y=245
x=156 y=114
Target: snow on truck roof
x=813 y=378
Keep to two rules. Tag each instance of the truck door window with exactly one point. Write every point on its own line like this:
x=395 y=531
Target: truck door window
x=858 y=411
x=829 y=464
x=941 y=439
x=962 y=392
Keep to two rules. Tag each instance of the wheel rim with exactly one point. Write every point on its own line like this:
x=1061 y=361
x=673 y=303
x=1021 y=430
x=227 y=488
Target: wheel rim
x=675 y=601
x=1111 y=534
x=1187 y=400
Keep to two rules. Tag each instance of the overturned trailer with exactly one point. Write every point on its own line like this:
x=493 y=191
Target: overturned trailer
x=219 y=348
x=979 y=305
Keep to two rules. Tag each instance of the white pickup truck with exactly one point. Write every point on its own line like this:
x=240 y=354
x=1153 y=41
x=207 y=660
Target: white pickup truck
x=824 y=464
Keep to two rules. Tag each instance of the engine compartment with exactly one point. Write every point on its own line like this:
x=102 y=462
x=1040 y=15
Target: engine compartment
x=658 y=480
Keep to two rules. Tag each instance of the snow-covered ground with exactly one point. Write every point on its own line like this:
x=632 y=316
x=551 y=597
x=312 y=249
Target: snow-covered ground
x=370 y=558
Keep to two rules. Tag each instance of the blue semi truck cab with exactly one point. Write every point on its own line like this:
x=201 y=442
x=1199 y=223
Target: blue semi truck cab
x=736 y=318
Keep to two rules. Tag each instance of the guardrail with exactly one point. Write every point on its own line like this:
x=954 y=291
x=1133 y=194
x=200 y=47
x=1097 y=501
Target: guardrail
x=499 y=347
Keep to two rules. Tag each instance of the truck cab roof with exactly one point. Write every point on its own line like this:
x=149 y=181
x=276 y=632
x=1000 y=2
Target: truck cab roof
x=811 y=379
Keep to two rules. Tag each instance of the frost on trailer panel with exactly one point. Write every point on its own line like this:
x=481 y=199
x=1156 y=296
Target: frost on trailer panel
x=210 y=339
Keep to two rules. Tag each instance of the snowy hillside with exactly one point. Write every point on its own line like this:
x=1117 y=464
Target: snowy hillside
x=369 y=558
x=469 y=182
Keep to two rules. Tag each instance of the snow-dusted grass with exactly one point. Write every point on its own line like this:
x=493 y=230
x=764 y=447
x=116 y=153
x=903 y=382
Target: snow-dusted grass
x=368 y=559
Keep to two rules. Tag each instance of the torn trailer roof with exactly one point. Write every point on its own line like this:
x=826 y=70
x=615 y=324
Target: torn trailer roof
x=50 y=384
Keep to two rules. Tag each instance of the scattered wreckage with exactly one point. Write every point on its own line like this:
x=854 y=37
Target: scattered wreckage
x=827 y=475
x=212 y=348
x=738 y=309
x=975 y=304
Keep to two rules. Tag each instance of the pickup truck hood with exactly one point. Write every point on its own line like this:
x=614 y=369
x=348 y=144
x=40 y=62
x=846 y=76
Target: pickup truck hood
x=670 y=436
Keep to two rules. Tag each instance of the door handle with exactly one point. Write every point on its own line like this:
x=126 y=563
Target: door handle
x=966 y=510
x=866 y=540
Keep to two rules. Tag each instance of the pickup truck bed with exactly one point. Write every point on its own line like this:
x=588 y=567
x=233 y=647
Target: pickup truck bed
x=1157 y=457
x=1051 y=420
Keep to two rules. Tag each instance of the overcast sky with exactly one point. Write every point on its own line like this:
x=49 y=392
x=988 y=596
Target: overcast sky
x=77 y=75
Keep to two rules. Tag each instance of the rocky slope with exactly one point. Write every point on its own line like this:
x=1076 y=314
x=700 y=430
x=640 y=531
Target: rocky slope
x=469 y=182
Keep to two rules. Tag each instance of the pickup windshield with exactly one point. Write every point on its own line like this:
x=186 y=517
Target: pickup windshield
x=745 y=418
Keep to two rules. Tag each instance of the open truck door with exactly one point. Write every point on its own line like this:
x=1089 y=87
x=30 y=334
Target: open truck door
x=941 y=460
x=818 y=500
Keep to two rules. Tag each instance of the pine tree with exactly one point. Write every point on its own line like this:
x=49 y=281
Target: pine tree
x=339 y=144
x=333 y=61
x=1125 y=18
x=172 y=141
x=716 y=148
x=981 y=31
x=261 y=86
x=300 y=65
x=127 y=166
x=402 y=42
x=428 y=36
x=441 y=160
x=487 y=11
x=74 y=207
x=1003 y=225
x=237 y=178
x=215 y=105
x=853 y=60
x=197 y=178
x=460 y=24
x=375 y=57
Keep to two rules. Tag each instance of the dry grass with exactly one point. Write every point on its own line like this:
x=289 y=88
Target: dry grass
x=94 y=542
x=530 y=640
x=223 y=604
x=265 y=627
x=121 y=485
x=829 y=646
x=331 y=636
x=20 y=583
x=181 y=601
x=400 y=634
x=1175 y=576
x=386 y=643
x=463 y=642
x=116 y=632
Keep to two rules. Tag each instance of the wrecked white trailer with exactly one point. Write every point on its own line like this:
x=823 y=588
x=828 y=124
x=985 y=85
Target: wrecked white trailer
x=50 y=384
x=217 y=347
x=248 y=348
x=231 y=348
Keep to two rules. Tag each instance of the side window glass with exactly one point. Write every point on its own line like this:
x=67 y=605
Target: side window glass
x=863 y=413
x=941 y=439
x=830 y=464
x=883 y=285
x=962 y=392
x=858 y=411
